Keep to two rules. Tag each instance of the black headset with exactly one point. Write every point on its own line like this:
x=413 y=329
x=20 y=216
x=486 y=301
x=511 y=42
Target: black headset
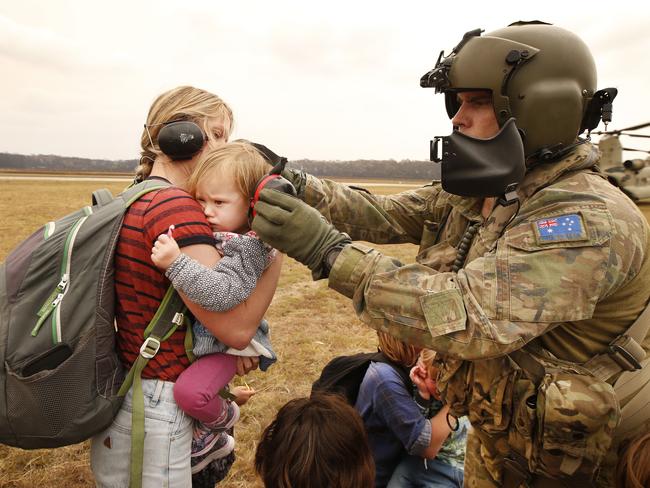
x=180 y=139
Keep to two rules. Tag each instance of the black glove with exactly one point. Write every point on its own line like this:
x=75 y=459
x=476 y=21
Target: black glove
x=293 y=227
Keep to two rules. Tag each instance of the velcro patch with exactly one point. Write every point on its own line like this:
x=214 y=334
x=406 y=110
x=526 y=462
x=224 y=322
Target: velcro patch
x=561 y=228
x=444 y=312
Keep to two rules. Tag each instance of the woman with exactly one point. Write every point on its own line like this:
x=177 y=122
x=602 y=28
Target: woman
x=140 y=287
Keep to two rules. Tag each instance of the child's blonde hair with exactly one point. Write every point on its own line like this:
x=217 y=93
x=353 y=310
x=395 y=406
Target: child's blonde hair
x=239 y=160
x=397 y=350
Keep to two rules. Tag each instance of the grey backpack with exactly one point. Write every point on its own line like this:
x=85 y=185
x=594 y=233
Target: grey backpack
x=59 y=374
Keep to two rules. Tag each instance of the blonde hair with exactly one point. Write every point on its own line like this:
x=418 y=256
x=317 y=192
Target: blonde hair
x=239 y=160
x=180 y=103
x=396 y=350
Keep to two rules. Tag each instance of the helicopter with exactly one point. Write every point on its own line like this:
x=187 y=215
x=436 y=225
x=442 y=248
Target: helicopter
x=632 y=176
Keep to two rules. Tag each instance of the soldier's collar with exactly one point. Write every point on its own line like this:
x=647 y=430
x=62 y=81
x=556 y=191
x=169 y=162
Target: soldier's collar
x=584 y=156
x=469 y=207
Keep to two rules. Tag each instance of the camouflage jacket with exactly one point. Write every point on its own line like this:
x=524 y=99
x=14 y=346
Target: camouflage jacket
x=575 y=292
x=565 y=271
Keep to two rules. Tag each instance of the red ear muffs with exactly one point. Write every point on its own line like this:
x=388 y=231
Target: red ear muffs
x=274 y=182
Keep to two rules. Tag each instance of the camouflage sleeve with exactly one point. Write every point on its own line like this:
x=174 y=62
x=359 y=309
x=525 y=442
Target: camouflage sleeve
x=364 y=216
x=502 y=300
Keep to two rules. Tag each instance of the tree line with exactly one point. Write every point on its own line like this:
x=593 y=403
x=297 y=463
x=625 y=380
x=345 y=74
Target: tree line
x=361 y=168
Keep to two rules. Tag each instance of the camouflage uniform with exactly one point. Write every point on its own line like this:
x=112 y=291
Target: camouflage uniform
x=570 y=297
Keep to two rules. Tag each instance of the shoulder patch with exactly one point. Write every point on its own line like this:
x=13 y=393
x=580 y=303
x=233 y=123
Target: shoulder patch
x=561 y=228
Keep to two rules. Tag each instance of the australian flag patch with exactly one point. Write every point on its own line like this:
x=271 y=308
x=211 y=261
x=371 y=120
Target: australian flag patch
x=568 y=227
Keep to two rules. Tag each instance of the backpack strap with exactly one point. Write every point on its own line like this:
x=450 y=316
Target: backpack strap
x=102 y=197
x=169 y=316
x=133 y=193
x=624 y=353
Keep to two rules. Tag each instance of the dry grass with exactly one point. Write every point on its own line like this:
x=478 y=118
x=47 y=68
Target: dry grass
x=310 y=325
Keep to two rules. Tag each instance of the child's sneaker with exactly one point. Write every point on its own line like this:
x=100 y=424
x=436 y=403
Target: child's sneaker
x=205 y=435
x=221 y=445
x=214 y=472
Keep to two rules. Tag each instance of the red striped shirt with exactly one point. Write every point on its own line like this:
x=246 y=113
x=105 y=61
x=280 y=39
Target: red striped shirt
x=140 y=286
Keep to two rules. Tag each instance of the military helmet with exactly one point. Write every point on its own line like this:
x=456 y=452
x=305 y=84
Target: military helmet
x=540 y=74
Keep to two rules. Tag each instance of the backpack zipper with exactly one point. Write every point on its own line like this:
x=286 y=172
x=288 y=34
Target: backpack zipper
x=54 y=301
x=49 y=305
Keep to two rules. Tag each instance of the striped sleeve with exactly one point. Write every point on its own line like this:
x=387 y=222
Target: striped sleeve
x=173 y=206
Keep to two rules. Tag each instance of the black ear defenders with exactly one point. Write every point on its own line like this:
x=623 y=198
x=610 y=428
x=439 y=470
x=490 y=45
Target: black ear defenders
x=181 y=139
x=272 y=180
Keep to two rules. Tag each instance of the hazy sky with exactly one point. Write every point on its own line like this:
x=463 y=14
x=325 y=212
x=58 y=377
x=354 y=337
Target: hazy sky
x=326 y=80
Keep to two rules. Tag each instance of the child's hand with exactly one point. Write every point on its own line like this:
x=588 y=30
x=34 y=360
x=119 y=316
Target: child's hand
x=432 y=387
x=242 y=394
x=418 y=375
x=165 y=250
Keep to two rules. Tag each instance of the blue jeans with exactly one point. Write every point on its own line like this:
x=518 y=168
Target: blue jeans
x=412 y=473
x=167 y=443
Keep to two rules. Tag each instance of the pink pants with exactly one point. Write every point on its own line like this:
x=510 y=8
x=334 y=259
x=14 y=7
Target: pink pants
x=197 y=388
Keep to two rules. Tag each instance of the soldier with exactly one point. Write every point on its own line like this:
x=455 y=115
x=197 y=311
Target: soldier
x=532 y=270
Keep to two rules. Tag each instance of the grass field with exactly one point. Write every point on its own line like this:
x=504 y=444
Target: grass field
x=310 y=324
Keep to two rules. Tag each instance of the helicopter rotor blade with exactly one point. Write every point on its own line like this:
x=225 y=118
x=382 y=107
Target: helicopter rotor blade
x=634 y=127
x=645 y=136
x=636 y=150
x=626 y=129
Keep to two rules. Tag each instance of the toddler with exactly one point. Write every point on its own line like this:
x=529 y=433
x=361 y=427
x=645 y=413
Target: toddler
x=222 y=183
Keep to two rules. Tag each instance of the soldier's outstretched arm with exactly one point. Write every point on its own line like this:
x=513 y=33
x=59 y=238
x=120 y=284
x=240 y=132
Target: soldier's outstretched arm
x=494 y=305
x=365 y=216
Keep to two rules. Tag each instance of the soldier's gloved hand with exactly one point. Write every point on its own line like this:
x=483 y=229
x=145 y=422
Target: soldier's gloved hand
x=293 y=227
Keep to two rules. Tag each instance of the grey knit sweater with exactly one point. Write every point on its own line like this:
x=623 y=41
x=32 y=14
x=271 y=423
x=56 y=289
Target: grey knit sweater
x=225 y=286
x=230 y=282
